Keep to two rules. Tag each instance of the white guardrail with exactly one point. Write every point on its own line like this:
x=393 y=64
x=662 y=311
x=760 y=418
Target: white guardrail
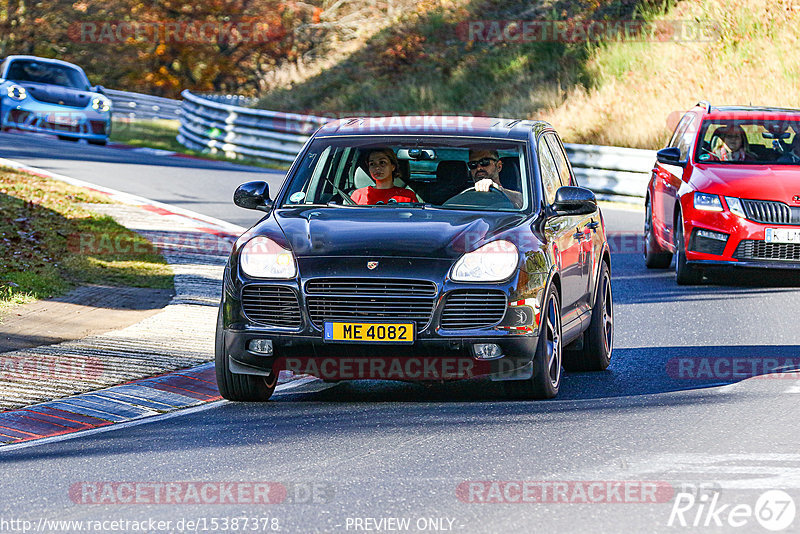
x=219 y=124
x=139 y=106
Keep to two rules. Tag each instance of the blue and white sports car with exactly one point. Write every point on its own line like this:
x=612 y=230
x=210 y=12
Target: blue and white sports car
x=54 y=97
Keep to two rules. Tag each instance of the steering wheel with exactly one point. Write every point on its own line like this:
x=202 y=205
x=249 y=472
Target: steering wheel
x=471 y=197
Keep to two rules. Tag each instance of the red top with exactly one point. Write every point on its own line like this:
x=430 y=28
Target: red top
x=371 y=195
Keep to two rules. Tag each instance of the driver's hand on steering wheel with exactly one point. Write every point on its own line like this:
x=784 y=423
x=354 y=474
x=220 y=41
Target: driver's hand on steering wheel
x=485 y=184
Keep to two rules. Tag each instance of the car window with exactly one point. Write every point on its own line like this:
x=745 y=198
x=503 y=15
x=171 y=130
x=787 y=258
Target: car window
x=763 y=141
x=549 y=172
x=432 y=171
x=680 y=129
x=28 y=70
x=686 y=138
x=560 y=157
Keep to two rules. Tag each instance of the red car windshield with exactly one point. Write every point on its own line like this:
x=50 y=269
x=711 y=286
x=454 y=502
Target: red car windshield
x=753 y=142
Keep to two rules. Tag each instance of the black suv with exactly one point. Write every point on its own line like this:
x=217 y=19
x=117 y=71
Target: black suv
x=445 y=279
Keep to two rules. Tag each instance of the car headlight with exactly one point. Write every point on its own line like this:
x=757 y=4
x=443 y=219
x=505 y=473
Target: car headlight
x=735 y=205
x=262 y=257
x=17 y=92
x=101 y=104
x=706 y=202
x=493 y=262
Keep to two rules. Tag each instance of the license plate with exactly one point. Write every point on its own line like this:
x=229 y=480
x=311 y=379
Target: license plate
x=64 y=119
x=782 y=235
x=370 y=332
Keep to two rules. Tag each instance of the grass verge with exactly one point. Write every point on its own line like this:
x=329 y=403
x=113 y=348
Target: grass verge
x=161 y=134
x=45 y=228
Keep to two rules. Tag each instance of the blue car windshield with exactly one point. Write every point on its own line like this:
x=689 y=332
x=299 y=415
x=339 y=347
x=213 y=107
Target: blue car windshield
x=28 y=70
x=413 y=172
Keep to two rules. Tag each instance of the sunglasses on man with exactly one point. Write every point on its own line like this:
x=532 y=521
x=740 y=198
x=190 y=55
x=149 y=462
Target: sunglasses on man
x=483 y=162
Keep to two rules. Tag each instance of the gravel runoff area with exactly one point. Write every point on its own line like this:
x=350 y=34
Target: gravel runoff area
x=180 y=336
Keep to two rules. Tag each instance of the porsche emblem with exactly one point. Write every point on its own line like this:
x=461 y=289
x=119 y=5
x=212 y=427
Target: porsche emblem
x=60 y=102
x=371 y=265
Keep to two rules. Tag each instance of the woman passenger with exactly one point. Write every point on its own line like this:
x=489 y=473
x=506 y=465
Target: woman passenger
x=383 y=167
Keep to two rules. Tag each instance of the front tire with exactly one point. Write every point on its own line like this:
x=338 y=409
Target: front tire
x=598 y=340
x=655 y=257
x=685 y=274
x=236 y=387
x=546 y=380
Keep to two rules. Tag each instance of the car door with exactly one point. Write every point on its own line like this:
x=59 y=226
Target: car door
x=590 y=243
x=563 y=230
x=668 y=179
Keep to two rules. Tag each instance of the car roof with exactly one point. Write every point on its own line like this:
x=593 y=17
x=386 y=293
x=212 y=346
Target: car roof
x=44 y=60
x=743 y=112
x=434 y=125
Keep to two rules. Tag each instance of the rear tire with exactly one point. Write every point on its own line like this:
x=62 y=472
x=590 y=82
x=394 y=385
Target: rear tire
x=685 y=274
x=546 y=380
x=655 y=257
x=598 y=339
x=236 y=387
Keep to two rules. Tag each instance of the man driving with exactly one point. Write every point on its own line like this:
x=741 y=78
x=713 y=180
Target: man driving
x=484 y=168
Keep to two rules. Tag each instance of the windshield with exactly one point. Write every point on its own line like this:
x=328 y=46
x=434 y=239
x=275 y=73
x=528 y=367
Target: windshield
x=749 y=142
x=25 y=70
x=442 y=172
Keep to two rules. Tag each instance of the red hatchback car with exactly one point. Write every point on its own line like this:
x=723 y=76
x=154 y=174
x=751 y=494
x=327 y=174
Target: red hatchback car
x=726 y=191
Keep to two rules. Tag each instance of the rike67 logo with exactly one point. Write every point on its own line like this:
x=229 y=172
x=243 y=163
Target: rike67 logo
x=774 y=510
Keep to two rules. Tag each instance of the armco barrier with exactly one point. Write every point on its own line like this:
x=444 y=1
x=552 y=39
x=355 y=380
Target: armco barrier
x=139 y=106
x=611 y=170
x=209 y=125
x=213 y=123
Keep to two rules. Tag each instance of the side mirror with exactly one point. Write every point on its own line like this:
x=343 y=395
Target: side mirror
x=574 y=201
x=670 y=156
x=99 y=89
x=253 y=196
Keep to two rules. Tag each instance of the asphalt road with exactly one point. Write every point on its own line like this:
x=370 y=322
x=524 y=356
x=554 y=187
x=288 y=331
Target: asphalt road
x=656 y=426
x=204 y=186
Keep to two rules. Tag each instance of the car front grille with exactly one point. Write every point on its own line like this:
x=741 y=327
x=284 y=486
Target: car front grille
x=271 y=305
x=749 y=249
x=18 y=117
x=766 y=211
x=707 y=245
x=357 y=299
x=98 y=127
x=473 y=308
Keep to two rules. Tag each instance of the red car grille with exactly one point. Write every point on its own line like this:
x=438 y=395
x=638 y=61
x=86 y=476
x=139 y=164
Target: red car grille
x=761 y=250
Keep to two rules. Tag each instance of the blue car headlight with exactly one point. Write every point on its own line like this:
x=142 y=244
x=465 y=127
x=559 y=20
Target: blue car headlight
x=16 y=92
x=101 y=104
